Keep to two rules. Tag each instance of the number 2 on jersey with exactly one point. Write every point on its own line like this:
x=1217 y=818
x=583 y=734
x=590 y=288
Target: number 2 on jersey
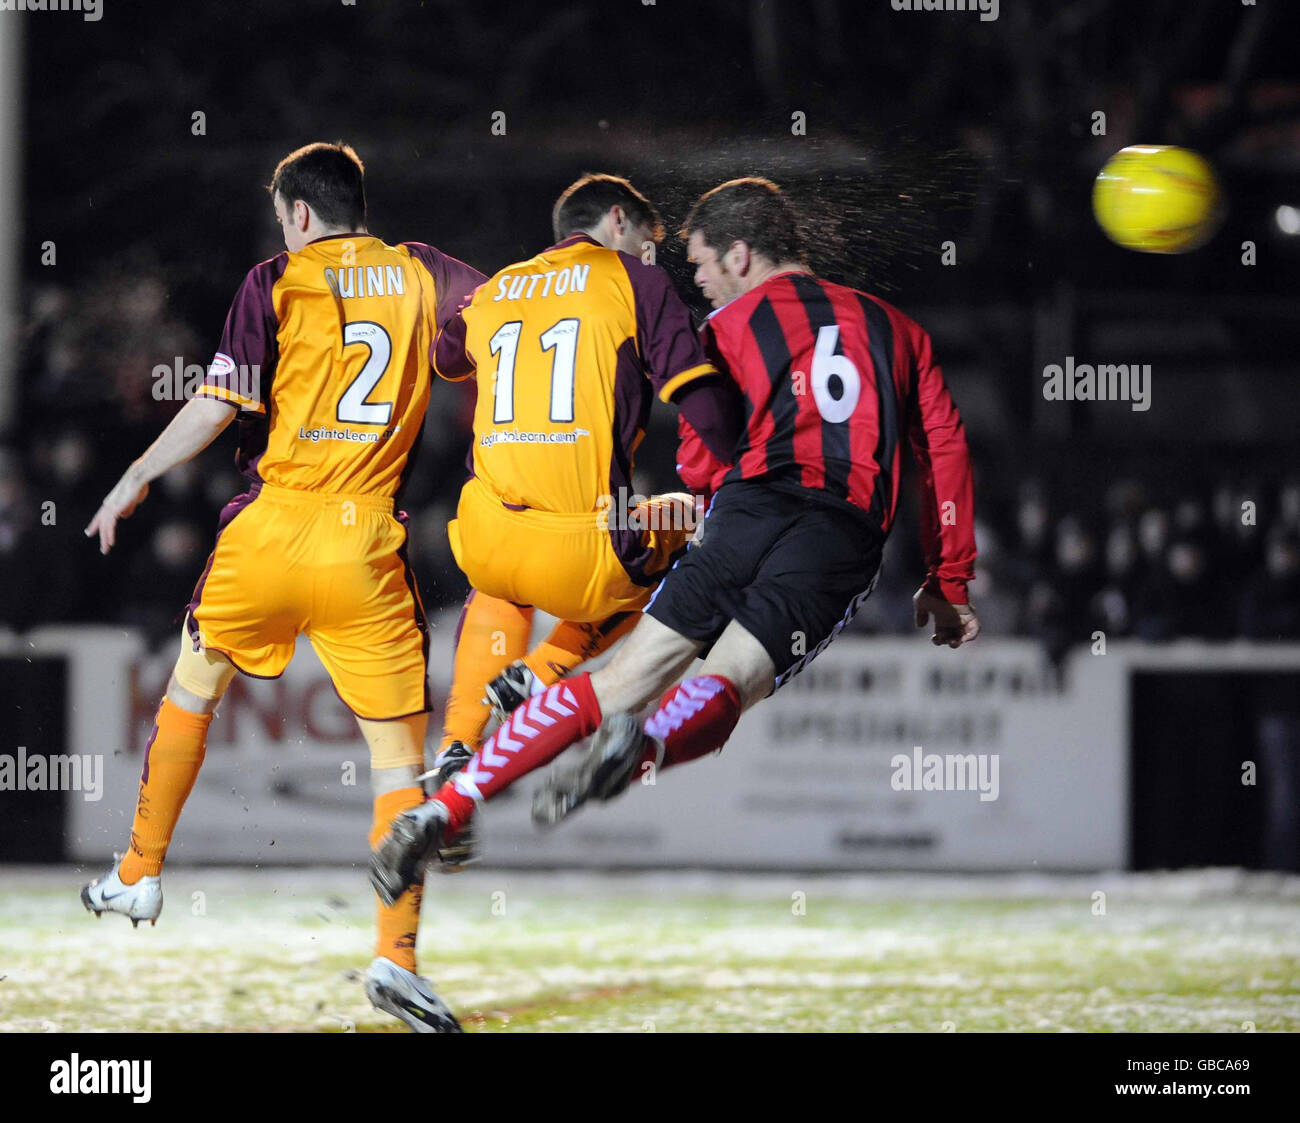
x=562 y=338
x=353 y=406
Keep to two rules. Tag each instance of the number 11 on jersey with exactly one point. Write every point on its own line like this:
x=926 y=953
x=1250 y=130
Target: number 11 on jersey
x=560 y=338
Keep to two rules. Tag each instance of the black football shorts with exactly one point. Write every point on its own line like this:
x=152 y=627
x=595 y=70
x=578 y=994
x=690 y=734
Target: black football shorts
x=790 y=568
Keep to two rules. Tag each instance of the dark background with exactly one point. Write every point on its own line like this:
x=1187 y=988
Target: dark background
x=920 y=128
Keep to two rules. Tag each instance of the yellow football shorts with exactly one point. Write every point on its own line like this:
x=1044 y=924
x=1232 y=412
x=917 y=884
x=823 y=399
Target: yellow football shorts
x=567 y=565
x=331 y=567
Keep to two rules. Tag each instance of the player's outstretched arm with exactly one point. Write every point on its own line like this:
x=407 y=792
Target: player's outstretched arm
x=954 y=624
x=947 y=489
x=191 y=431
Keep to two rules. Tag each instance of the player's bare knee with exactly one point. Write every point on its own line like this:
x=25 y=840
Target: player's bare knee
x=396 y=751
x=651 y=658
x=188 y=700
x=385 y=780
x=200 y=677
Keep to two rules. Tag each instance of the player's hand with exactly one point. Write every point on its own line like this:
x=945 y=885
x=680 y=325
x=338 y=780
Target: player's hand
x=954 y=624
x=118 y=504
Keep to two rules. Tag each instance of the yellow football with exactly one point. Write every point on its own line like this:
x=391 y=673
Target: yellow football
x=1157 y=199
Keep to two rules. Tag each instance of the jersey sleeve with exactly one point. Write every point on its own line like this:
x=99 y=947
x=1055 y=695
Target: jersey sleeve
x=244 y=365
x=697 y=467
x=454 y=282
x=454 y=285
x=670 y=349
x=449 y=354
x=947 y=483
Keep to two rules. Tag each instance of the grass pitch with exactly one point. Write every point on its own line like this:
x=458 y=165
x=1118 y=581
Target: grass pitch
x=266 y=949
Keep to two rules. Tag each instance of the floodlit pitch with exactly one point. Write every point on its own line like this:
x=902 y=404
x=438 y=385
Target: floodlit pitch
x=269 y=949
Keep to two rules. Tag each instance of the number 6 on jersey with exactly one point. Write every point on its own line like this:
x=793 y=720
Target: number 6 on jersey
x=827 y=365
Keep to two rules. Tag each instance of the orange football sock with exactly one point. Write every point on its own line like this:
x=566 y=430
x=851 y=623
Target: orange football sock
x=492 y=634
x=570 y=645
x=397 y=924
x=172 y=759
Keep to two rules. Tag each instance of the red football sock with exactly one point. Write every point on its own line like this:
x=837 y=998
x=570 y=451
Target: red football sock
x=695 y=717
x=536 y=734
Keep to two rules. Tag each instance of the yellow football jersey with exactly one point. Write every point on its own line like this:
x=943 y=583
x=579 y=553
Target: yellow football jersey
x=325 y=351
x=569 y=348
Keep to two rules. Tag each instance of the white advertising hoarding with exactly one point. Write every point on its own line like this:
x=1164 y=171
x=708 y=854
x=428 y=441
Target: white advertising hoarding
x=884 y=754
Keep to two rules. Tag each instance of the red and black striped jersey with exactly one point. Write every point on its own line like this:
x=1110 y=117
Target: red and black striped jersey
x=835 y=381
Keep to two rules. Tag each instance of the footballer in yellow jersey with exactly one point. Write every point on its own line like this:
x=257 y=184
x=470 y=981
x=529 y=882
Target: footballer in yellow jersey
x=570 y=348
x=325 y=360
x=340 y=332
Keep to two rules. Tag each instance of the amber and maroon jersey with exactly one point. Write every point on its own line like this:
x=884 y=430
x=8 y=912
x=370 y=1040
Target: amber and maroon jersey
x=325 y=352
x=570 y=348
x=835 y=381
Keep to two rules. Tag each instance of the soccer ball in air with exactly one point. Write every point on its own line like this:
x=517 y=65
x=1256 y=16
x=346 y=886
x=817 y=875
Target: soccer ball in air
x=1157 y=199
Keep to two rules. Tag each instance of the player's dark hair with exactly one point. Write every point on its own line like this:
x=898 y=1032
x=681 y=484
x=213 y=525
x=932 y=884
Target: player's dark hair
x=587 y=201
x=329 y=178
x=751 y=210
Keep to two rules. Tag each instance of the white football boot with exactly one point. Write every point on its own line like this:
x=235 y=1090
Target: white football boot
x=408 y=996
x=141 y=901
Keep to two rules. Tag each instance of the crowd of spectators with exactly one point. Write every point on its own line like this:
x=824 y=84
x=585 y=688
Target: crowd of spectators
x=1209 y=561
x=1213 y=562
x=1213 y=559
